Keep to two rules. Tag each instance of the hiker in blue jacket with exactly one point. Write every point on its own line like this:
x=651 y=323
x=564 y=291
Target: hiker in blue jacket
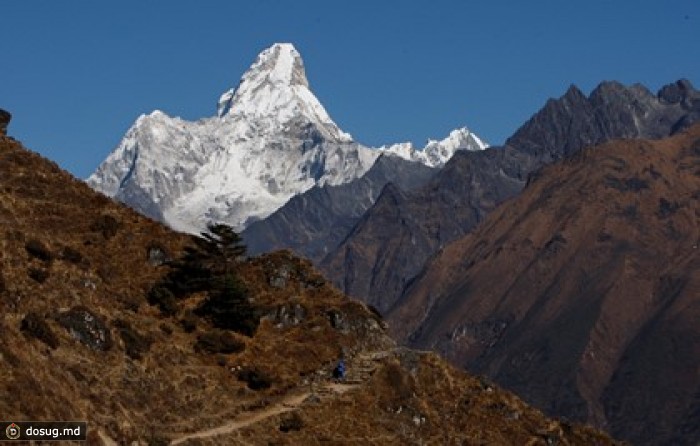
x=339 y=370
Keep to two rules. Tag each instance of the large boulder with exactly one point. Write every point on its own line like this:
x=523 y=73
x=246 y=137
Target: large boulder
x=87 y=327
x=5 y=118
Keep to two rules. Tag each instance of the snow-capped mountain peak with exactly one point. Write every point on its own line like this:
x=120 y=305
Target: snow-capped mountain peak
x=271 y=139
x=279 y=67
x=437 y=152
x=275 y=88
x=279 y=64
x=460 y=138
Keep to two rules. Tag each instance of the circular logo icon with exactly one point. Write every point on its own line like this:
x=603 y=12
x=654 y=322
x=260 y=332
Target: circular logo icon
x=13 y=431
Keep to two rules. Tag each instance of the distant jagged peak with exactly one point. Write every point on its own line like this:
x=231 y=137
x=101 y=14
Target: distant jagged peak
x=604 y=91
x=572 y=92
x=680 y=91
x=612 y=110
x=437 y=152
x=281 y=63
x=275 y=86
x=461 y=138
x=608 y=91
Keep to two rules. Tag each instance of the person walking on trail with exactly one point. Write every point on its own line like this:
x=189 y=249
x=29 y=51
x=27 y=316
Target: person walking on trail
x=339 y=370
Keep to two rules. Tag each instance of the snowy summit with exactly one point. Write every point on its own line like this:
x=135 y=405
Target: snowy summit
x=275 y=88
x=271 y=139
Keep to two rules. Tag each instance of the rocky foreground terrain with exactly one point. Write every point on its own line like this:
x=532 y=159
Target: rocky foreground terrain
x=80 y=340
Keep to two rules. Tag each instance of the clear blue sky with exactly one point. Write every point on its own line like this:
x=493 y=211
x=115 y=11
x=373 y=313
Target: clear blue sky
x=76 y=74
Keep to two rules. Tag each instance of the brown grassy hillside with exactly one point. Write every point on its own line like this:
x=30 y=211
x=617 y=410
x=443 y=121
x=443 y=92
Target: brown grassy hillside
x=80 y=341
x=583 y=294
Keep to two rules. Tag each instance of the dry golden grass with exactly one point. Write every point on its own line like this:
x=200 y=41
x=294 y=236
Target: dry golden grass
x=94 y=253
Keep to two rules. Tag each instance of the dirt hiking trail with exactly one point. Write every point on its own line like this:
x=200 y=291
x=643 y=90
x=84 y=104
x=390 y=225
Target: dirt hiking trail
x=358 y=373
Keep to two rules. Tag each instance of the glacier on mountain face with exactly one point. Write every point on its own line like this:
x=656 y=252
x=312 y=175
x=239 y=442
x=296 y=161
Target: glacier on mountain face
x=270 y=140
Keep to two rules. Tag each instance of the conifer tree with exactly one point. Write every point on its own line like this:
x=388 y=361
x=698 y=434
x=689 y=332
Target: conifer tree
x=209 y=265
x=229 y=308
x=219 y=251
x=220 y=248
x=211 y=257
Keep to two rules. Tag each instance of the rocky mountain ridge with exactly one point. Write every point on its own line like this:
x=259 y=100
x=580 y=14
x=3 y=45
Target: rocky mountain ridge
x=391 y=243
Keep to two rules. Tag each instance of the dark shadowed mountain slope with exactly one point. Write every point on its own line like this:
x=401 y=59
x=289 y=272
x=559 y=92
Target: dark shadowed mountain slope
x=390 y=243
x=81 y=342
x=583 y=294
x=316 y=221
x=376 y=262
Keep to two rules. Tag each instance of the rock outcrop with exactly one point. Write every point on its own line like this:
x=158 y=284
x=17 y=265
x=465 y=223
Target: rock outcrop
x=5 y=118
